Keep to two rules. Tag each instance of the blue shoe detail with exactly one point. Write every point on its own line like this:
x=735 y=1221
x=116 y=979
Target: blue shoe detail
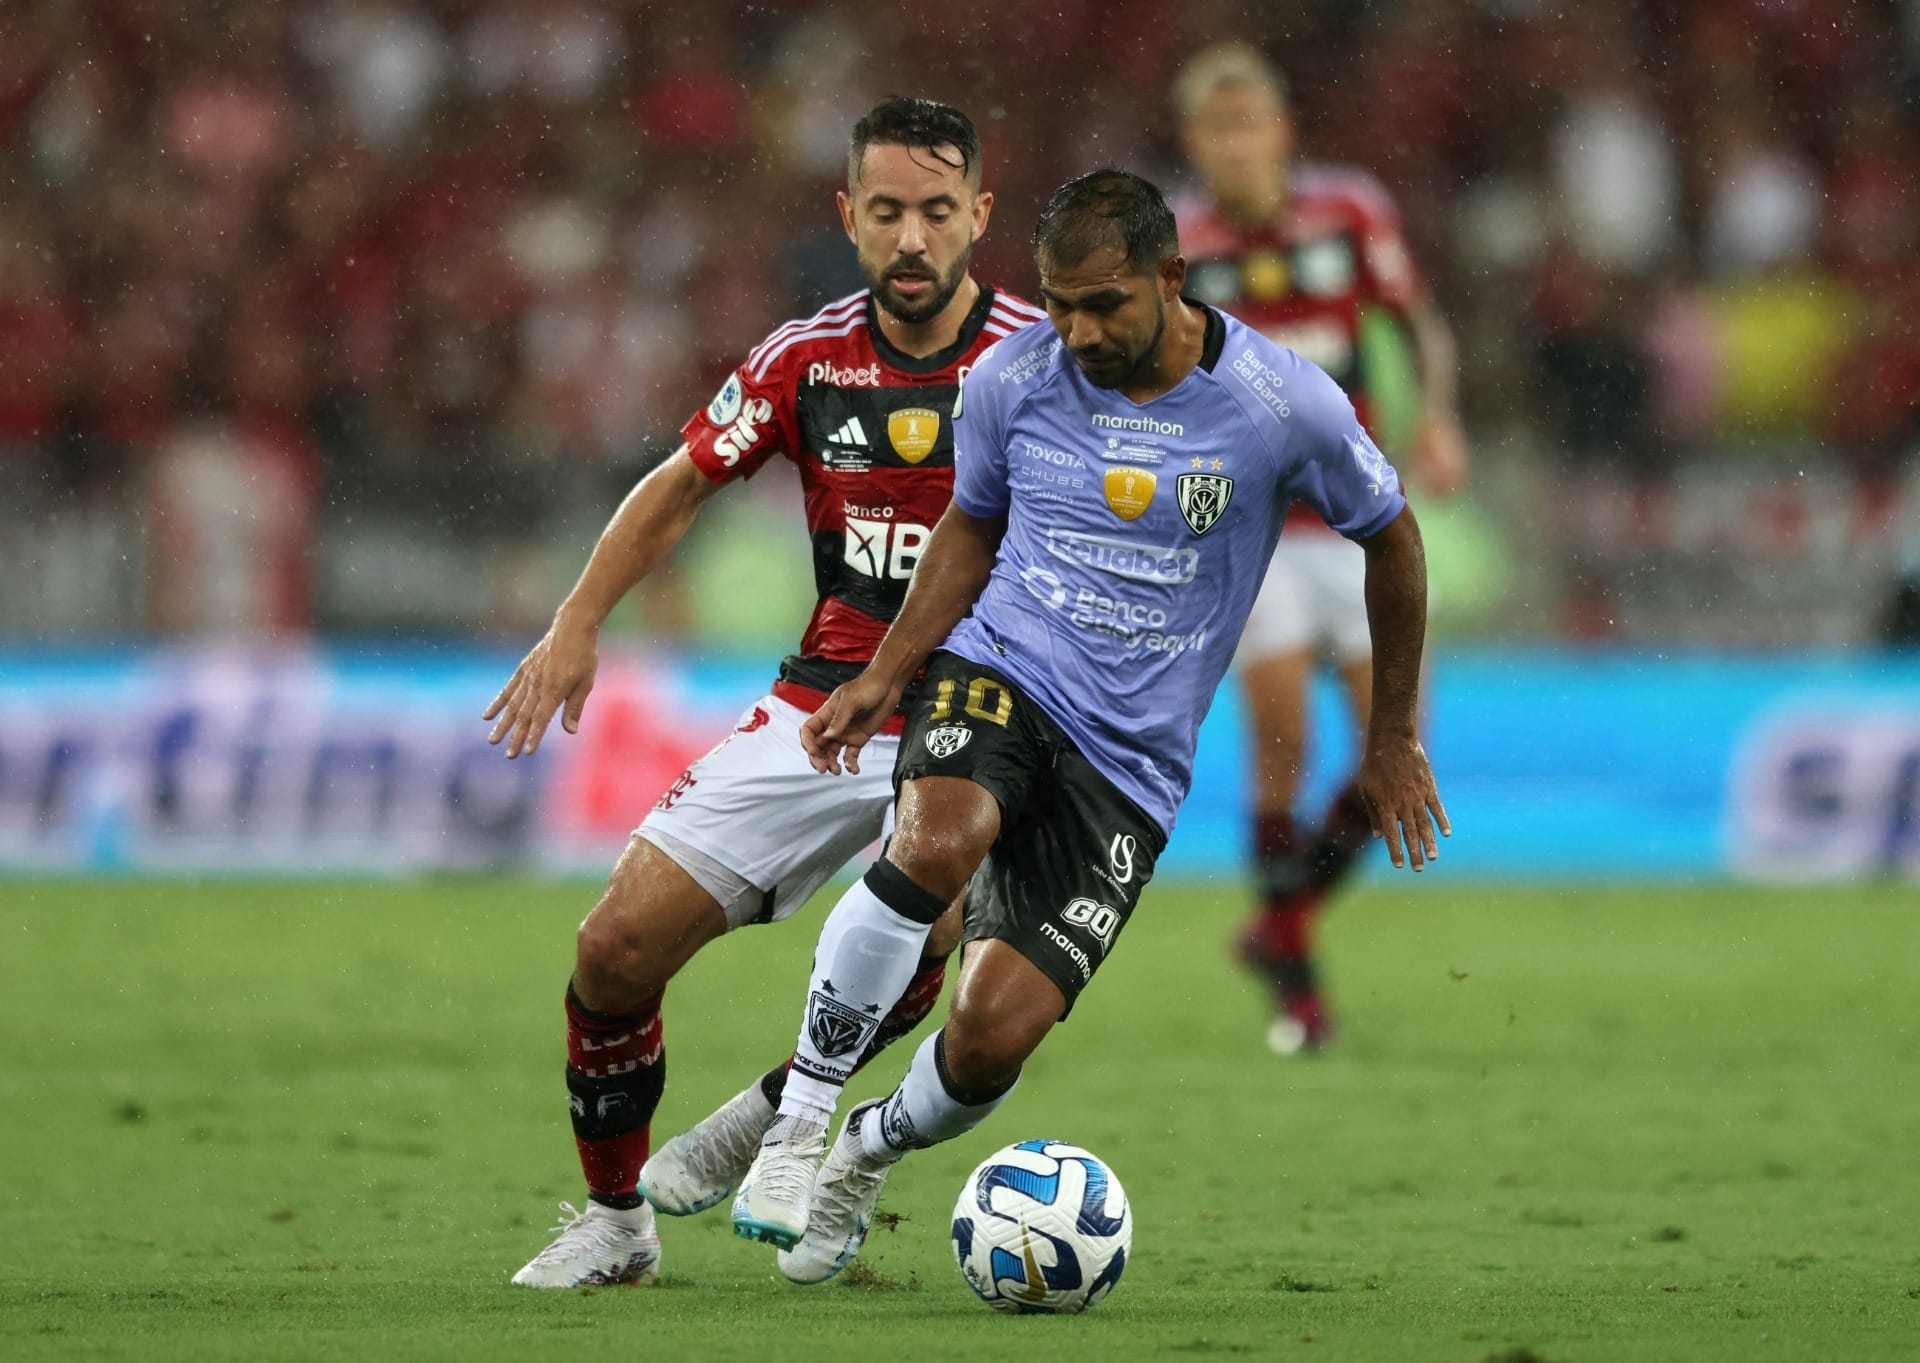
x=751 y=1228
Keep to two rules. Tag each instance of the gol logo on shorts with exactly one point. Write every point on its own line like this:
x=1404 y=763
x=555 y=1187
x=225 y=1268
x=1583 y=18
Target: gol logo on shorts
x=947 y=740
x=913 y=431
x=1129 y=491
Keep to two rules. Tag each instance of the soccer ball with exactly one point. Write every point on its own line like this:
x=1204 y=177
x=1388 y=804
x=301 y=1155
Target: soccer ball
x=1042 y=1226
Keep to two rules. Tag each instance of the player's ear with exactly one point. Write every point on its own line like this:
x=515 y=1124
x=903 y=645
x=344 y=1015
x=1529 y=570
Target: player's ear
x=982 y=210
x=845 y=201
x=1173 y=276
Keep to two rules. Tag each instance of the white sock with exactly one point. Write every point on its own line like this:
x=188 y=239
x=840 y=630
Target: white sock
x=870 y=946
x=923 y=1110
x=631 y=1218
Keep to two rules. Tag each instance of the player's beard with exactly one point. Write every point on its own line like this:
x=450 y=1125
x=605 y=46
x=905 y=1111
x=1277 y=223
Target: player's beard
x=1128 y=367
x=919 y=309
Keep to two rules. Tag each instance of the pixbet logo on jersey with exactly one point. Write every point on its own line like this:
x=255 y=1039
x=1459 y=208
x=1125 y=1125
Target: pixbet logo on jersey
x=868 y=376
x=744 y=434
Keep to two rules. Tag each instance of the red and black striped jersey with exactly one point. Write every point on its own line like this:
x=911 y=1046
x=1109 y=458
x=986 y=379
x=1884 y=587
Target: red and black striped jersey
x=871 y=431
x=1305 y=279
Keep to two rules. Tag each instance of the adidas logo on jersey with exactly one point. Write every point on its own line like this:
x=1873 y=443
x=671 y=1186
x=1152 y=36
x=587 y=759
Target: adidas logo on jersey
x=852 y=433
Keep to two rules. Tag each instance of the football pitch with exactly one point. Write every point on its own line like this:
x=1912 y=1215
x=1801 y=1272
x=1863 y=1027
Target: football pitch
x=326 y=1120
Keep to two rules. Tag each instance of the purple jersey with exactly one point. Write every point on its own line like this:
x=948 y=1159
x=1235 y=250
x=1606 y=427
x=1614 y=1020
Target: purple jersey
x=1138 y=534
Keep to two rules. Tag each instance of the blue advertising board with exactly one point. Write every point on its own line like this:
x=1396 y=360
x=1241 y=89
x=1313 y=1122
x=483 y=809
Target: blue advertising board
x=1554 y=767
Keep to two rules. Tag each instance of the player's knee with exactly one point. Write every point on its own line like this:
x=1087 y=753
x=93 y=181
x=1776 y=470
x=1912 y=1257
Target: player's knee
x=941 y=865
x=605 y=952
x=617 y=957
x=984 y=1051
x=943 y=835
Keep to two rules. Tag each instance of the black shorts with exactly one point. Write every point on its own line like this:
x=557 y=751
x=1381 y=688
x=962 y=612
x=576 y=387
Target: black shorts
x=1073 y=854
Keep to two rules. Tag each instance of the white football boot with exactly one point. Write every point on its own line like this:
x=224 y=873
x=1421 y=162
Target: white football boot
x=844 y=1196
x=701 y=1165
x=597 y=1247
x=778 y=1189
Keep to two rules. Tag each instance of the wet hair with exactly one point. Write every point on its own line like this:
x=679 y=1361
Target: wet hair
x=1107 y=208
x=1222 y=66
x=940 y=130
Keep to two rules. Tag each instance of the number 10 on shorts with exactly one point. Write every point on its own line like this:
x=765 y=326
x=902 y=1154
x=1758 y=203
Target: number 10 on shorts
x=977 y=692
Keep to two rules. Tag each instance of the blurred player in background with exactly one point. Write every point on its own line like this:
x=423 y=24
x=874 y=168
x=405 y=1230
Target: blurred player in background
x=1312 y=257
x=1078 y=607
x=859 y=396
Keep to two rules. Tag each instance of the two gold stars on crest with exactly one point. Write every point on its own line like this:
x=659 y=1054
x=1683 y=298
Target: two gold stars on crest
x=1198 y=463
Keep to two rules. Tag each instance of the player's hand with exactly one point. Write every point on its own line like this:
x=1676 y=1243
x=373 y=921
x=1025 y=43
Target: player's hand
x=853 y=714
x=1396 y=783
x=559 y=670
x=1440 y=455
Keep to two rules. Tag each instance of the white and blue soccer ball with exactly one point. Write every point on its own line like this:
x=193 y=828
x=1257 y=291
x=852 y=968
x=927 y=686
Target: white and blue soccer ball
x=1042 y=1226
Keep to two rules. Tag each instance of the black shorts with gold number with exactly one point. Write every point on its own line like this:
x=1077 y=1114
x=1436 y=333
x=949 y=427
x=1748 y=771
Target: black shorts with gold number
x=1073 y=852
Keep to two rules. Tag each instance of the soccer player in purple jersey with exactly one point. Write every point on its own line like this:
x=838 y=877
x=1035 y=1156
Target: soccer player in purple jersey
x=1120 y=480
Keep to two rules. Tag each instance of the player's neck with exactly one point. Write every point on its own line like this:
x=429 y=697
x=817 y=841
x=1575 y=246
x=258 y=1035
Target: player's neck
x=1181 y=345
x=921 y=339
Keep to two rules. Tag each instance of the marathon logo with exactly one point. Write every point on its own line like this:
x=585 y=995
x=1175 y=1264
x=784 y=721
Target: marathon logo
x=1145 y=425
x=824 y=372
x=1069 y=948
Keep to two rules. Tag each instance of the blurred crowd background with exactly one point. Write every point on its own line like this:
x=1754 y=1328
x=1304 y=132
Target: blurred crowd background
x=360 y=315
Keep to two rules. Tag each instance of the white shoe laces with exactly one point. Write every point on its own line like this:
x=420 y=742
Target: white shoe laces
x=848 y=1187
x=581 y=1233
x=789 y=1158
x=719 y=1149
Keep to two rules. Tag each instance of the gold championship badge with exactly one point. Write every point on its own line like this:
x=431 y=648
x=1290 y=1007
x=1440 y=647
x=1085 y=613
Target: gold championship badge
x=1129 y=491
x=913 y=431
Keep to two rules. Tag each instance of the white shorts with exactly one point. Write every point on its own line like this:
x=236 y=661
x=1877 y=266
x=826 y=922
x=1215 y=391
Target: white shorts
x=758 y=828
x=1314 y=598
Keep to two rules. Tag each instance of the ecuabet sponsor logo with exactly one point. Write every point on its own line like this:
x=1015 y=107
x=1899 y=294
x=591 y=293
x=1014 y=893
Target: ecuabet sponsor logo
x=1137 y=562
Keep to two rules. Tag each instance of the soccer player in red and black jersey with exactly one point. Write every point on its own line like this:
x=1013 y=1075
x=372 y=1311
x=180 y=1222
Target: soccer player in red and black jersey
x=860 y=397
x=1313 y=257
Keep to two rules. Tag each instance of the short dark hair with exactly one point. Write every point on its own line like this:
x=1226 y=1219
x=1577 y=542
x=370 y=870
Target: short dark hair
x=940 y=130
x=1107 y=208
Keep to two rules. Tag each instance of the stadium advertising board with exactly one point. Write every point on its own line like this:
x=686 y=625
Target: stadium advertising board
x=244 y=761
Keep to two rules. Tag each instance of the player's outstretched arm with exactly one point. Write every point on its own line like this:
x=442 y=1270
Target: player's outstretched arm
x=947 y=581
x=560 y=668
x=1395 y=779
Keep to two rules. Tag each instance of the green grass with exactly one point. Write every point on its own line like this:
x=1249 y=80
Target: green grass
x=281 y=1121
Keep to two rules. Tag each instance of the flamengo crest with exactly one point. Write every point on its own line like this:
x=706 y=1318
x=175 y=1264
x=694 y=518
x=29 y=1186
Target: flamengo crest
x=1203 y=498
